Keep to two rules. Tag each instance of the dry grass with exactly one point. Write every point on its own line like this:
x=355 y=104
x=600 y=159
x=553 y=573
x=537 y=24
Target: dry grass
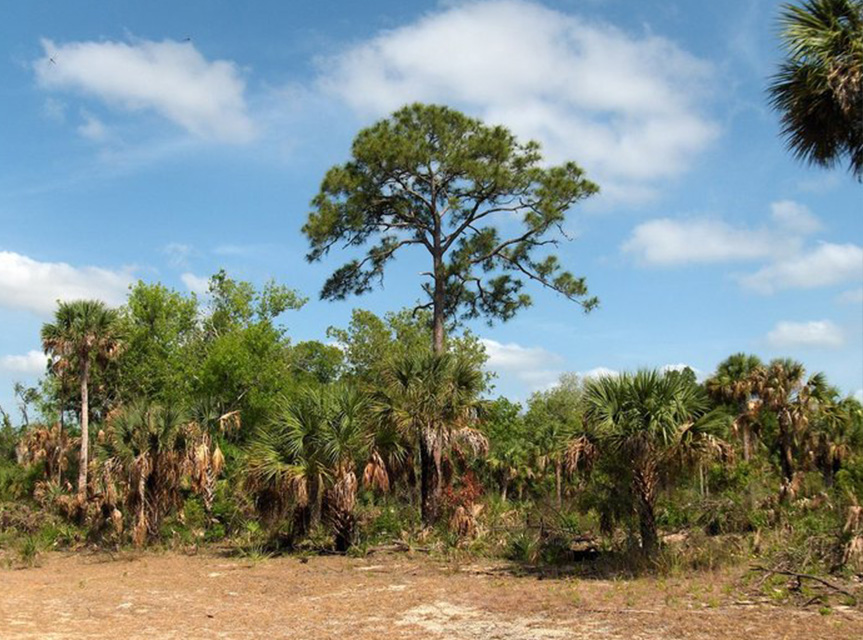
x=381 y=597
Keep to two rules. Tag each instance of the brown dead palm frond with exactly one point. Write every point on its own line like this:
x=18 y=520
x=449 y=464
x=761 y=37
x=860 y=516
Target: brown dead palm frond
x=464 y=520
x=580 y=454
x=470 y=440
x=230 y=423
x=375 y=474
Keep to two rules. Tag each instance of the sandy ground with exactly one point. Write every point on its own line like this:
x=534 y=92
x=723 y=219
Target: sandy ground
x=380 y=597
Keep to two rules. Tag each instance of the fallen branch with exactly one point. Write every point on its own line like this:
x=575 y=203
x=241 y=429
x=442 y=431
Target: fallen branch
x=805 y=576
x=398 y=546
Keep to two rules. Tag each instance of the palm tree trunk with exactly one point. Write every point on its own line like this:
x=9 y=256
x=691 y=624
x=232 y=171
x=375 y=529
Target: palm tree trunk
x=786 y=456
x=430 y=480
x=316 y=501
x=644 y=481
x=85 y=429
x=746 y=442
x=504 y=490
x=558 y=482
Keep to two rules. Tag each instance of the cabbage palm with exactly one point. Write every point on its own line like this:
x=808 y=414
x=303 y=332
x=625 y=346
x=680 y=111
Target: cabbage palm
x=84 y=333
x=734 y=384
x=819 y=88
x=345 y=439
x=651 y=423
x=285 y=459
x=783 y=390
x=836 y=432
x=308 y=457
x=147 y=450
x=433 y=399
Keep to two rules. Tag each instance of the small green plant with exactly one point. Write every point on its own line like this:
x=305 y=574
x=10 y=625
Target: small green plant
x=28 y=551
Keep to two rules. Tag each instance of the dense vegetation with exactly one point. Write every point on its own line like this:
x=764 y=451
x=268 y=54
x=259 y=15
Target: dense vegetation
x=209 y=425
x=175 y=420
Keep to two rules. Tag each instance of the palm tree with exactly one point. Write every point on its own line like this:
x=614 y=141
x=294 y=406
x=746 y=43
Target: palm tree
x=650 y=423
x=433 y=399
x=84 y=333
x=555 y=420
x=345 y=440
x=285 y=460
x=836 y=432
x=734 y=384
x=307 y=458
x=147 y=450
x=784 y=391
x=819 y=88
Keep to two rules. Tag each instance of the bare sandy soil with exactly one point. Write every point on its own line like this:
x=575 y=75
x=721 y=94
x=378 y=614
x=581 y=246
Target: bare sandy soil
x=380 y=597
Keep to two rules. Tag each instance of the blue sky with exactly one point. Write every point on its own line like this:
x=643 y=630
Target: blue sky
x=165 y=140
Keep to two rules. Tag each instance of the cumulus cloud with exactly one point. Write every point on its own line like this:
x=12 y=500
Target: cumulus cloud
x=852 y=296
x=681 y=366
x=173 y=79
x=794 y=217
x=826 y=265
x=817 y=333
x=178 y=254
x=626 y=106
x=93 y=129
x=598 y=372
x=667 y=242
x=536 y=367
x=36 y=286
x=31 y=363
x=196 y=284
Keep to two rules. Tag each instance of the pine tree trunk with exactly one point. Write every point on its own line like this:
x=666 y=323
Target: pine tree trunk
x=85 y=429
x=439 y=308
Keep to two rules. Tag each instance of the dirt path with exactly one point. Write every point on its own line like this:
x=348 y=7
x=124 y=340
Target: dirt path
x=190 y=597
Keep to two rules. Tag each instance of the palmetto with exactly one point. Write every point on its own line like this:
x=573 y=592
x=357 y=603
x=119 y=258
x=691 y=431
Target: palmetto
x=308 y=456
x=783 y=390
x=734 y=384
x=432 y=399
x=651 y=424
x=819 y=89
x=145 y=452
x=84 y=333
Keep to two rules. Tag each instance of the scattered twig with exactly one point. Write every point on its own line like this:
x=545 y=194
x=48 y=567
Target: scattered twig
x=397 y=546
x=805 y=576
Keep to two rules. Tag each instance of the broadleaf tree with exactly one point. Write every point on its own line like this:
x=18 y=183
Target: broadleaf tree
x=432 y=178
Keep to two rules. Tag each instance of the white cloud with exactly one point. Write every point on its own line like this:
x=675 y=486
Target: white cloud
x=36 y=286
x=598 y=372
x=31 y=363
x=667 y=242
x=178 y=253
x=625 y=106
x=794 y=217
x=826 y=265
x=93 y=129
x=534 y=366
x=681 y=366
x=859 y=395
x=852 y=296
x=173 y=79
x=196 y=284
x=817 y=333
